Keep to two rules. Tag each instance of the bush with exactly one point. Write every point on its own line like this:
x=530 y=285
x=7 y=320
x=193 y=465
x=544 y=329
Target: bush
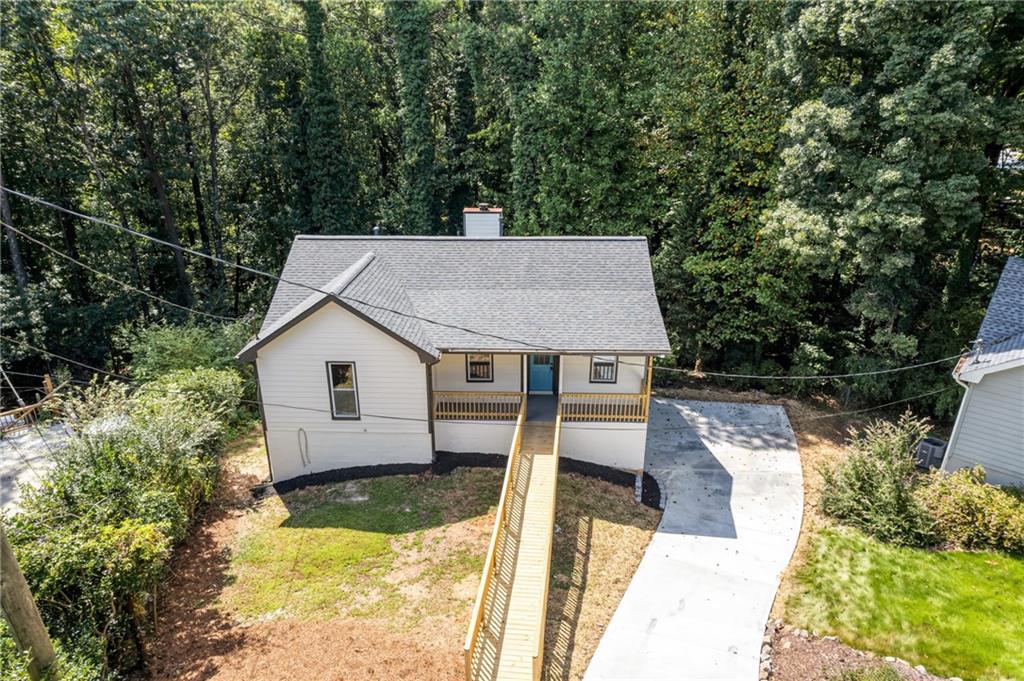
x=970 y=514
x=74 y=665
x=211 y=390
x=872 y=489
x=94 y=537
x=162 y=348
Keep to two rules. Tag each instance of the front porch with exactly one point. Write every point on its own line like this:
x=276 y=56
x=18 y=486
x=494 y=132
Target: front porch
x=621 y=388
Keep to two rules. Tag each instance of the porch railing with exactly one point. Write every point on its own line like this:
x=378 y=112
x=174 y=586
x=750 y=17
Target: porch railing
x=461 y=405
x=629 y=407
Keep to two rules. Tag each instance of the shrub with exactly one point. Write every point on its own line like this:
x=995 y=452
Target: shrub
x=94 y=537
x=970 y=514
x=212 y=390
x=163 y=348
x=872 y=489
x=74 y=664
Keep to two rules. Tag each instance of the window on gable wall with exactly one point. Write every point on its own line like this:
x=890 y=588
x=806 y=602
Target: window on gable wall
x=479 y=368
x=603 y=368
x=344 y=393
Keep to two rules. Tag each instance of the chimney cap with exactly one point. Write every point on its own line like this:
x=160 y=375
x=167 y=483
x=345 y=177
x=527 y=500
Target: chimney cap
x=482 y=208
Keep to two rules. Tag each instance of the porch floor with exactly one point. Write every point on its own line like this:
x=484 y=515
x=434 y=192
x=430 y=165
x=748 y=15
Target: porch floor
x=541 y=408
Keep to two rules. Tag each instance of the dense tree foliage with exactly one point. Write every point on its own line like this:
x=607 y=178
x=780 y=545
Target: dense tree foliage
x=826 y=186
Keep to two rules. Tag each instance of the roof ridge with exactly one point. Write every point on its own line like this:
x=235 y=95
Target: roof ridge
x=350 y=274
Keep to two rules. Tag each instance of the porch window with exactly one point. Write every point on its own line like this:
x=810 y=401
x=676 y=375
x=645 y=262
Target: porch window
x=604 y=369
x=344 y=393
x=479 y=368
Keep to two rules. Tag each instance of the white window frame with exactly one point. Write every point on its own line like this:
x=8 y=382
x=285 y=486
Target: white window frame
x=354 y=390
x=604 y=360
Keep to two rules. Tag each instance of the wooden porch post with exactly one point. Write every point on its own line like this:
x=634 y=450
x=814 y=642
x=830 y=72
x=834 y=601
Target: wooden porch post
x=647 y=387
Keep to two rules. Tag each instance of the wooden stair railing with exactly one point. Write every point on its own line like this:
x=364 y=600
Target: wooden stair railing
x=476 y=620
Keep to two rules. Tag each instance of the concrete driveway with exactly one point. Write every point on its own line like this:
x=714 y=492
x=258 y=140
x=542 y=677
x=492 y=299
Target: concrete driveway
x=698 y=604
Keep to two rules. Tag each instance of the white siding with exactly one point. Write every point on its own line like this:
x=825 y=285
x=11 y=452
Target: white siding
x=391 y=381
x=576 y=375
x=990 y=428
x=619 y=445
x=474 y=437
x=450 y=374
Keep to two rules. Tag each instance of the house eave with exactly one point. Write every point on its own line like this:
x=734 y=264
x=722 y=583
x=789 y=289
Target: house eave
x=974 y=373
x=249 y=352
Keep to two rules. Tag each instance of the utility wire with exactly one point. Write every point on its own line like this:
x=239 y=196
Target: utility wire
x=115 y=279
x=268 y=275
x=818 y=377
x=147 y=388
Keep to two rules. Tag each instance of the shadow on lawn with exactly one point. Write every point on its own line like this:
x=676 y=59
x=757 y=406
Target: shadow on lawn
x=397 y=504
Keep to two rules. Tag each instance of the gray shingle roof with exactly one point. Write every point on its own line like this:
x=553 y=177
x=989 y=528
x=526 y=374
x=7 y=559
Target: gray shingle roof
x=1002 y=330
x=570 y=294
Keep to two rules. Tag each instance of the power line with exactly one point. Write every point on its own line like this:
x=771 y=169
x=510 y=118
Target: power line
x=818 y=377
x=482 y=334
x=115 y=279
x=268 y=275
x=147 y=388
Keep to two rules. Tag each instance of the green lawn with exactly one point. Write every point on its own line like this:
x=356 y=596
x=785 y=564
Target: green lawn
x=364 y=548
x=959 y=614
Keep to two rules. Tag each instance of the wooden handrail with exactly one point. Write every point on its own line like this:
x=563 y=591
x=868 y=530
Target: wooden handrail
x=465 y=405
x=499 y=523
x=27 y=413
x=628 y=407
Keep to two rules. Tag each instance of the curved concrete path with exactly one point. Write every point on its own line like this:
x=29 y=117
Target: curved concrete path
x=698 y=604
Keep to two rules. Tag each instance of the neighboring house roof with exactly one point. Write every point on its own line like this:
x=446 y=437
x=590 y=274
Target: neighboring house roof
x=564 y=294
x=1001 y=337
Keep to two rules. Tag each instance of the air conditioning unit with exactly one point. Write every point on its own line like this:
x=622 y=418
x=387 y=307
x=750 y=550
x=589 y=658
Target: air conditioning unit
x=930 y=452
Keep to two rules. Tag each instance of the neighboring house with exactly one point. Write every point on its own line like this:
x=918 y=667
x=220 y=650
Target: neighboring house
x=418 y=345
x=989 y=429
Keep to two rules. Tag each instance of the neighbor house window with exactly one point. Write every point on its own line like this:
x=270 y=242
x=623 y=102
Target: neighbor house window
x=344 y=394
x=479 y=368
x=603 y=368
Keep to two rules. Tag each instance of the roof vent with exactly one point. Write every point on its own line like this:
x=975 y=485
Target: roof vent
x=482 y=221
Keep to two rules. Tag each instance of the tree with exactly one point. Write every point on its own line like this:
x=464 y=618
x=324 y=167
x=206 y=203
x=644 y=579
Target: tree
x=411 y=27
x=730 y=296
x=888 y=156
x=330 y=171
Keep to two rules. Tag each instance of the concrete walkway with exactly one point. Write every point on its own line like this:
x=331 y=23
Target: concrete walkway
x=733 y=492
x=24 y=459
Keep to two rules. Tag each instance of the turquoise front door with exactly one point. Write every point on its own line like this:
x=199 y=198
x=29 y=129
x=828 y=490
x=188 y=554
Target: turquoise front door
x=542 y=373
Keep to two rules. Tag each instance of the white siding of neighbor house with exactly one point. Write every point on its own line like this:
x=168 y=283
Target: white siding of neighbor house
x=990 y=428
x=450 y=374
x=390 y=379
x=576 y=375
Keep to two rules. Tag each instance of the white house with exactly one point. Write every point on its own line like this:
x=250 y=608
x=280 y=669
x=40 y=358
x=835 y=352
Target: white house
x=989 y=429
x=387 y=350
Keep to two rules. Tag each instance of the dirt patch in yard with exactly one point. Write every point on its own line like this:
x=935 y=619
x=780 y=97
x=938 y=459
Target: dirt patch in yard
x=375 y=579
x=800 y=656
